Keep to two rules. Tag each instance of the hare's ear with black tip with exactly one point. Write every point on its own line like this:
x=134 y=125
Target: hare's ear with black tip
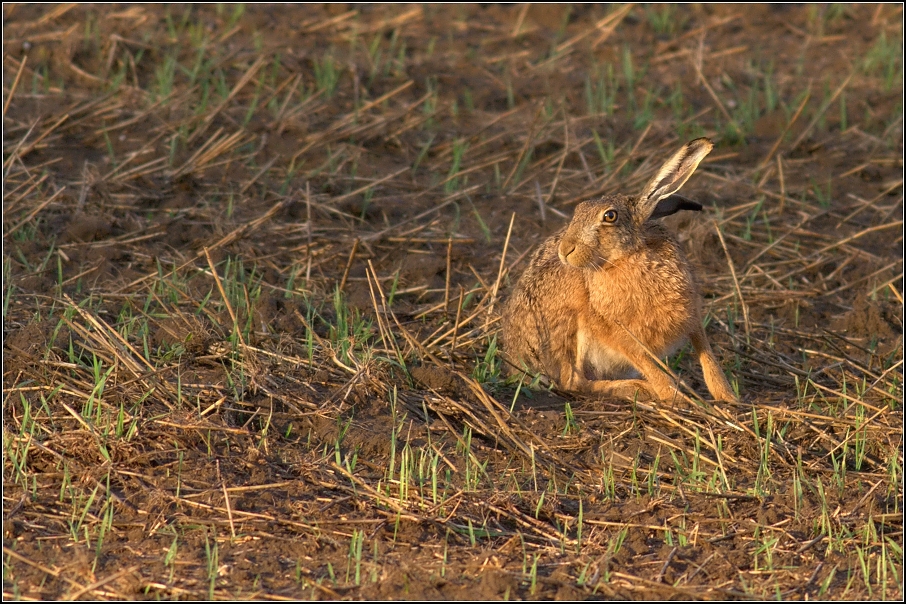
x=673 y=204
x=672 y=176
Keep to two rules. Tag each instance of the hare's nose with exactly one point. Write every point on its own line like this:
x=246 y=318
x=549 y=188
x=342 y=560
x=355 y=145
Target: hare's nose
x=566 y=248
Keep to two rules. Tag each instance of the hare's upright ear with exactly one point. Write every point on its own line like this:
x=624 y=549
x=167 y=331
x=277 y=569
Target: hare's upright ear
x=672 y=176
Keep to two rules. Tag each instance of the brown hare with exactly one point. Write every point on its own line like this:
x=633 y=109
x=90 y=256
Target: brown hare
x=612 y=288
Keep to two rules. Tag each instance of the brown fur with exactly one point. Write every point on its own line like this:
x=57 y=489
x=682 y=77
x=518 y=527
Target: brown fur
x=603 y=295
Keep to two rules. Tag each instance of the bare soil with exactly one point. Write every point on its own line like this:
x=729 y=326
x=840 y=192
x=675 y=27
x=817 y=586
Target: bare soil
x=253 y=263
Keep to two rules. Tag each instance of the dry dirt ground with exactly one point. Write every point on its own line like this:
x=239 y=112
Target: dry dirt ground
x=253 y=259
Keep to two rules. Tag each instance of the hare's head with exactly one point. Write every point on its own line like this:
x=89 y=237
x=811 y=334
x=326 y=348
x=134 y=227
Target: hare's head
x=612 y=227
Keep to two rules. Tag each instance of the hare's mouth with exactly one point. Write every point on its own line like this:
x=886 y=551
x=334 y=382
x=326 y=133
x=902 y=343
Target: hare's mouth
x=572 y=253
x=581 y=257
x=572 y=258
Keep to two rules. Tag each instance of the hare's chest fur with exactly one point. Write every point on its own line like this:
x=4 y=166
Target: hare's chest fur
x=639 y=299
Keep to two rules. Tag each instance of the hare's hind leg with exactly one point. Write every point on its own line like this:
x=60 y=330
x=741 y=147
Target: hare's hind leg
x=621 y=389
x=630 y=390
x=715 y=379
x=655 y=386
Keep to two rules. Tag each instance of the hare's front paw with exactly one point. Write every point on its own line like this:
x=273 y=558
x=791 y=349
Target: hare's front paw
x=631 y=390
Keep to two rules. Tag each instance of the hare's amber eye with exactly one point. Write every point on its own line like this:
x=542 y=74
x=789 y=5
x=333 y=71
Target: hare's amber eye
x=609 y=216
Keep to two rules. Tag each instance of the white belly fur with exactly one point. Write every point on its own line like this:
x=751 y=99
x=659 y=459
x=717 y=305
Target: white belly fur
x=599 y=362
